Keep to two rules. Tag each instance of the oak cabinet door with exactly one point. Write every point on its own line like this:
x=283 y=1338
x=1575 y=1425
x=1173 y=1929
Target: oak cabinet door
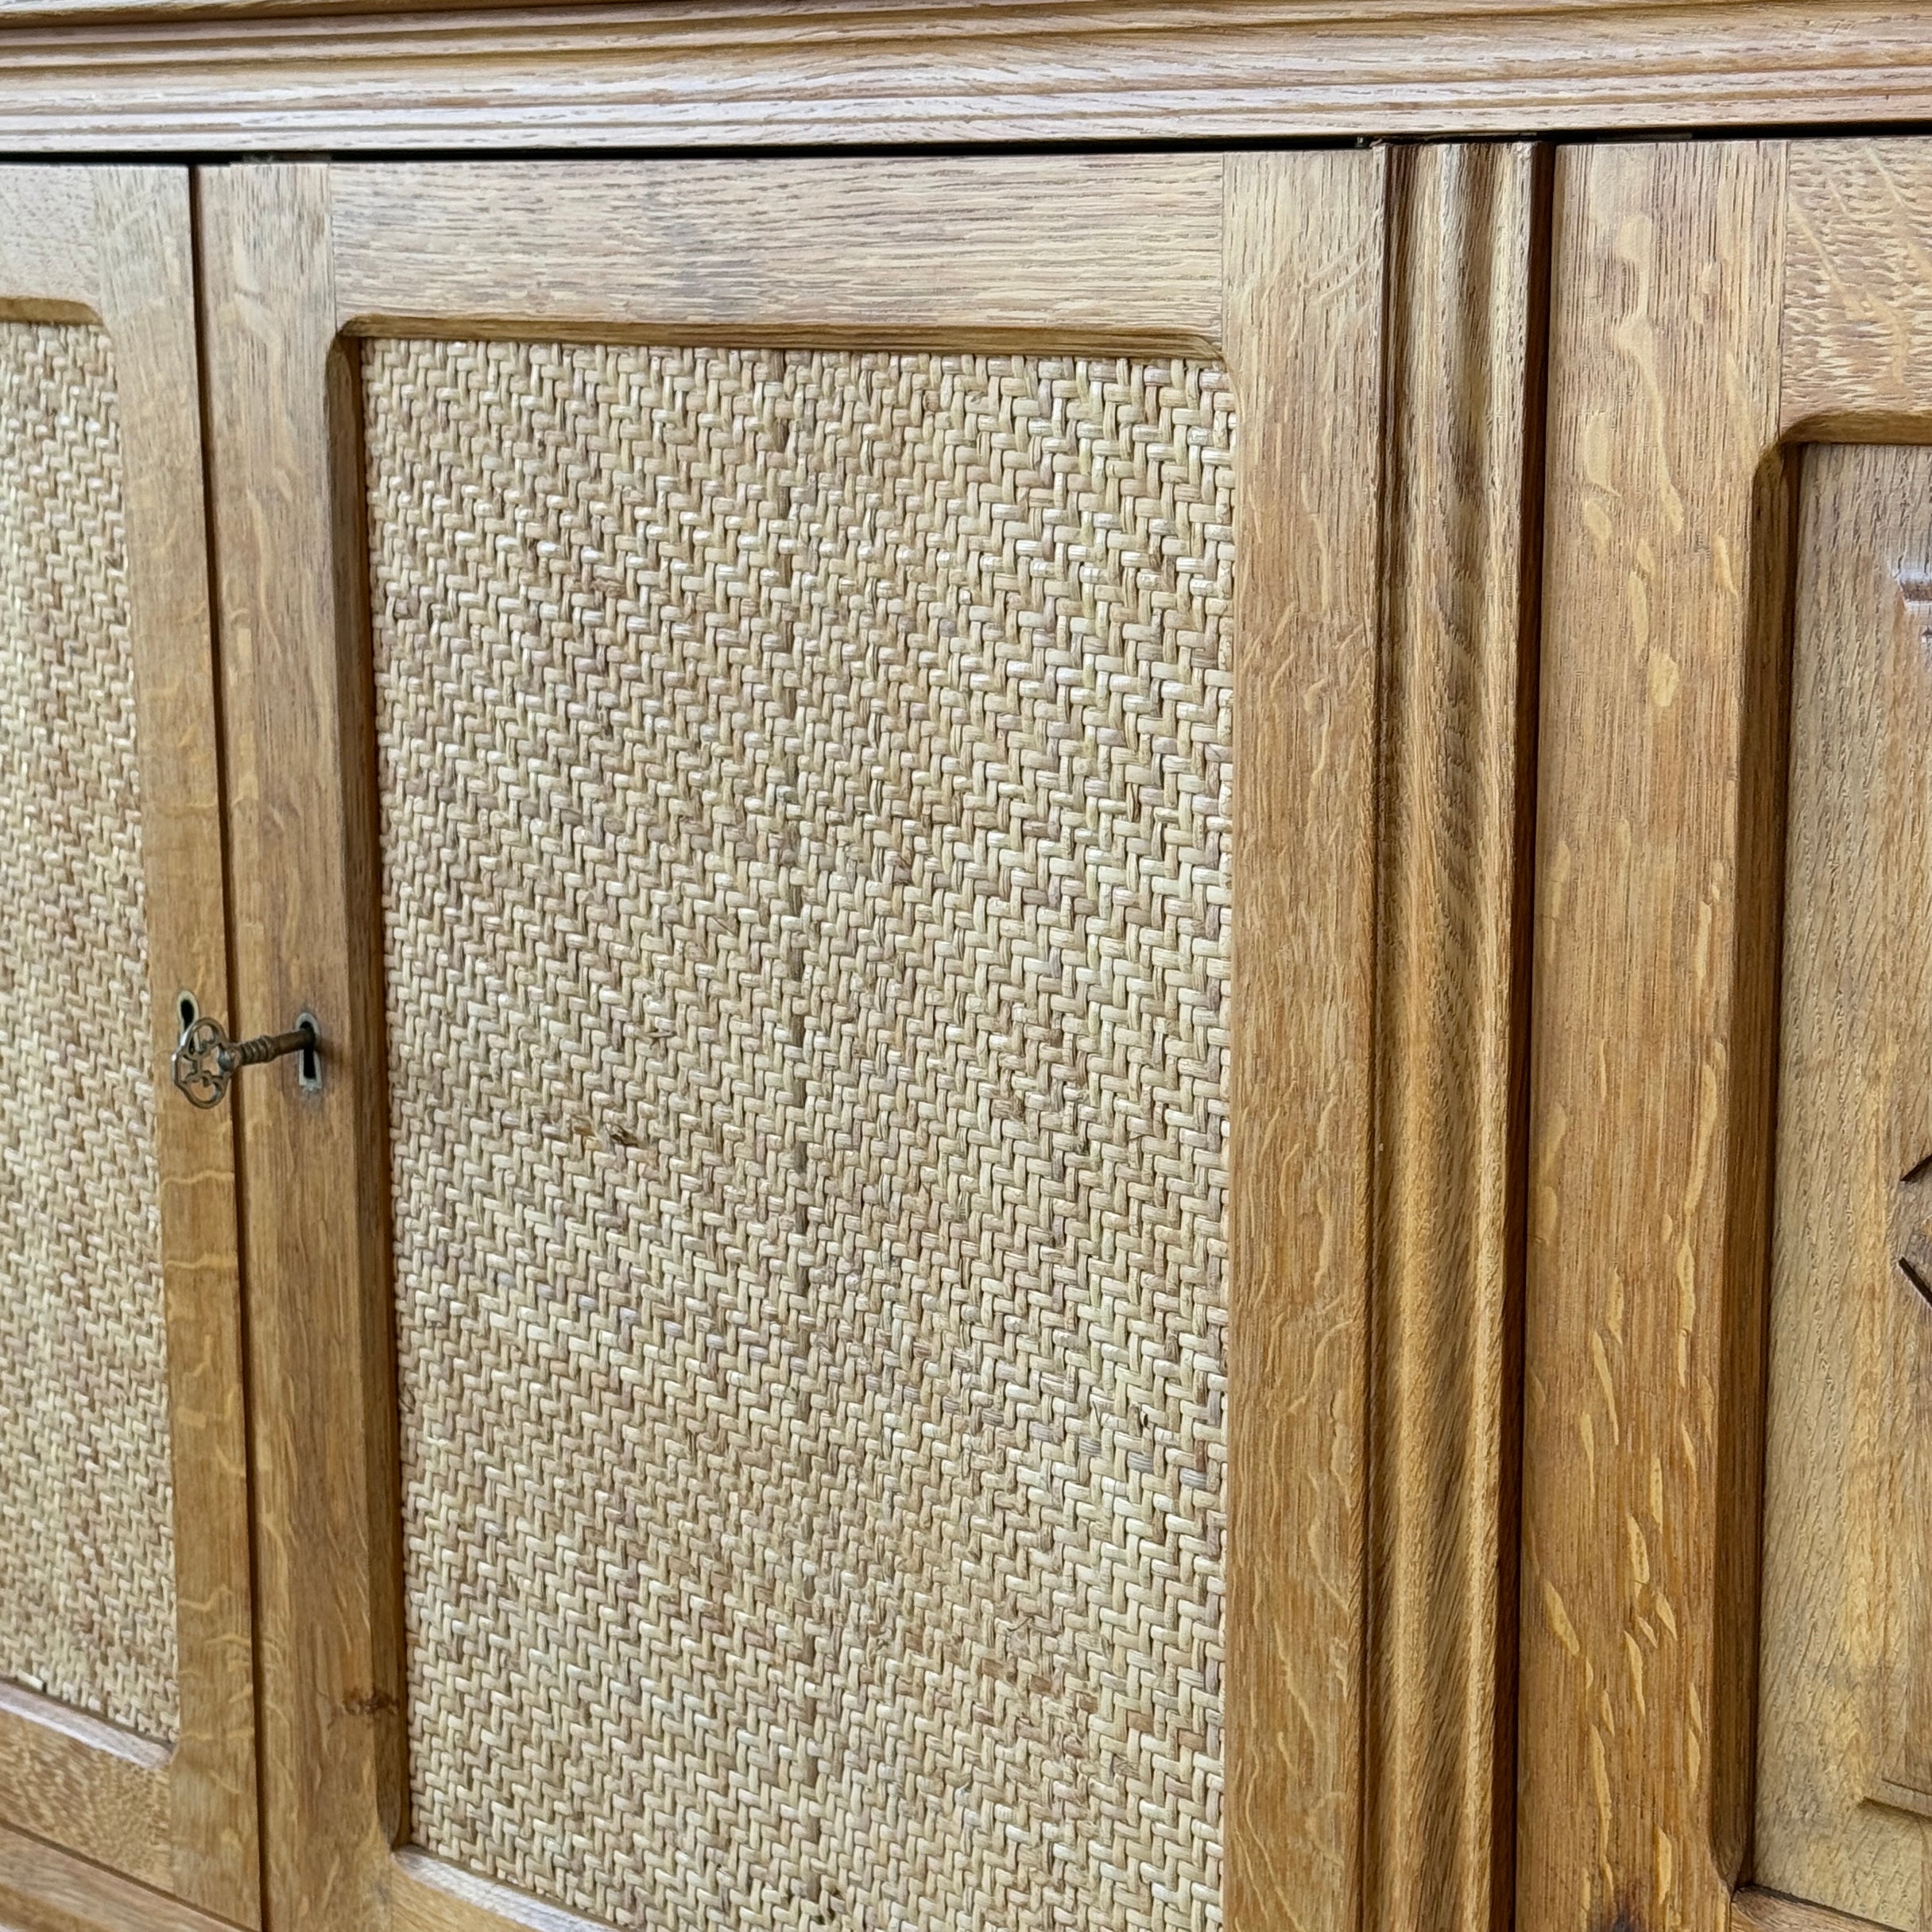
x=809 y=732
x=1725 y=1661
x=126 y=1722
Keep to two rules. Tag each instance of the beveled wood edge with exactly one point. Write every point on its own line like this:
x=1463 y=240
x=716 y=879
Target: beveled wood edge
x=1103 y=251
x=112 y=246
x=1467 y=315
x=87 y=1785
x=427 y=1894
x=44 y=1889
x=738 y=73
x=1888 y=1791
x=21 y=1705
x=1756 y=1911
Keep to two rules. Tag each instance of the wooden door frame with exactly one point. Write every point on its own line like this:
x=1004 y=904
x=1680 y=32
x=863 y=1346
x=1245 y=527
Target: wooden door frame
x=1378 y=1051
x=1717 y=306
x=113 y=246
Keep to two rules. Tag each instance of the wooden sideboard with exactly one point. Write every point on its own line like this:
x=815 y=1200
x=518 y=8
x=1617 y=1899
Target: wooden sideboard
x=1102 y=831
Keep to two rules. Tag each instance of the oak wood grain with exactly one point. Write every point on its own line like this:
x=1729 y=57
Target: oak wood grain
x=1848 y=1340
x=1756 y=1910
x=1465 y=313
x=1899 y=1319
x=1658 y=843
x=295 y=666
x=114 y=244
x=1293 y=295
x=1857 y=354
x=144 y=247
x=50 y=267
x=43 y=1889
x=85 y=1784
x=1306 y=243
x=1112 y=251
x=734 y=73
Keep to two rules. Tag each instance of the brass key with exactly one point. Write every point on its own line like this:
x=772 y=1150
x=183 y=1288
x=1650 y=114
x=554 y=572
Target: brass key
x=206 y=1060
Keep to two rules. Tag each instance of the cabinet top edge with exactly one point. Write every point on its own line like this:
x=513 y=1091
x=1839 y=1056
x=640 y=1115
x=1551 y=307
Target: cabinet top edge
x=289 y=76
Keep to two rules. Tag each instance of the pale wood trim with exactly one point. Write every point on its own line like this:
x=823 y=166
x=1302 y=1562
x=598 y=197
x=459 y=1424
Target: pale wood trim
x=734 y=73
x=45 y=1890
x=1117 y=251
x=1659 y=847
x=1305 y=253
x=1756 y=1911
x=114 y=244
x=427 y=1895
x=1857 y=347
x=1465 y=314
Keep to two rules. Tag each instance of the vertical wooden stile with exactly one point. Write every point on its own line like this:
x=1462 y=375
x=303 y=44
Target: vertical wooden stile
x=1465 y=309
x=1659 y=850
x=321 y=1420
x=1305 y=253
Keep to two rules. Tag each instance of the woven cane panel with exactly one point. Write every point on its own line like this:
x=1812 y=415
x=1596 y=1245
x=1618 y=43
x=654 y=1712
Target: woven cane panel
x=805 y=796
x=86 y=1552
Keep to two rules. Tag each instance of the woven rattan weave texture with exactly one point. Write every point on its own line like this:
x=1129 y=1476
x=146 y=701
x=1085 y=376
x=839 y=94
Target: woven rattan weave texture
x=804 y=799
x=87 y=1550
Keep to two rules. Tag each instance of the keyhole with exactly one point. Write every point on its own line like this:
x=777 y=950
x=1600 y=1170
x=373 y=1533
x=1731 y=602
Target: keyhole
x=190 y=1011
x=309 y=1067
x=1915 y=1263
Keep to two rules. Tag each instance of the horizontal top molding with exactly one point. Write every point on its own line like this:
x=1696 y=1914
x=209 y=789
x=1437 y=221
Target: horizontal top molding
x=295 y=76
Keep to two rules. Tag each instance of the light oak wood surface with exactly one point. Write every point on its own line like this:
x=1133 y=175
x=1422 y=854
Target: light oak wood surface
x=1851 y=1339
x=74 y=1779
x=1756 y=1910
x=45 y=1890
x=295 y=670
x=1716 y=308
x=1857 y=333
x=280 y=279
x=266 y=77
x=1277 y=262
x=1306 y=243
x=1116 y=251
x=1465 y=314
x=113 y=245
x=1658 y=839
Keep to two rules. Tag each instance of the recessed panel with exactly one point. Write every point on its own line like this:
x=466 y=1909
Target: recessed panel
x=804 y=818
x=87 y=1562
x=1845 y=1771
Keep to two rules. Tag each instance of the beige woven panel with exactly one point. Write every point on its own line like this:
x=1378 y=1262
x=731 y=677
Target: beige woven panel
x=86 y=1552
x=805 y=795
